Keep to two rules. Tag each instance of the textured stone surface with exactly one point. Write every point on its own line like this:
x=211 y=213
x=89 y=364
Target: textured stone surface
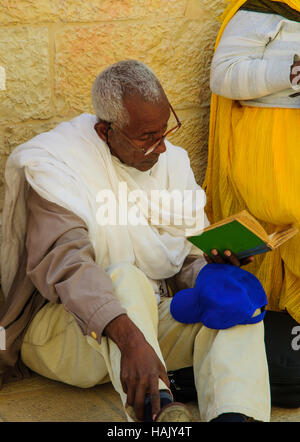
x=285 y=414
x=134 y=9
x=47 y=11
x=214 y=7
x=24 y=54
x=28 y=11
x=169 y=48
x=41 y=400
x=198 y=9
x=192 y=136
x=14 y=135
x=53 y=49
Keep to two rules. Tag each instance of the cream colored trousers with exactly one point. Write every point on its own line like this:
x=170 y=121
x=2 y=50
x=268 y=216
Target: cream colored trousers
x=230 y=366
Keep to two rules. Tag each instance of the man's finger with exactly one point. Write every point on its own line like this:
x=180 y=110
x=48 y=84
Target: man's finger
x=130 y=396
x=154 y=398
x=232 y=258
x=164 y=377
x=246 y=261
x=207 y=258
x=217 y=257
x=139 y=401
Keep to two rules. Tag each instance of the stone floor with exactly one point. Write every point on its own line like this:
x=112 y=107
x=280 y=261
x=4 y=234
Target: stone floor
x=41 y=400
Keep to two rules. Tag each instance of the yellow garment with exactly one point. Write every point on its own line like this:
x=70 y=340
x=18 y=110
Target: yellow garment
x=260 y=174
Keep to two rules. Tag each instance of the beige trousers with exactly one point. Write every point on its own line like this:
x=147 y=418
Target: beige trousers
x=231 y=372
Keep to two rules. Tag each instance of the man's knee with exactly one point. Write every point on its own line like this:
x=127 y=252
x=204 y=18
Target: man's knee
x=123 y=268
x=129 y=279
x=55 y=347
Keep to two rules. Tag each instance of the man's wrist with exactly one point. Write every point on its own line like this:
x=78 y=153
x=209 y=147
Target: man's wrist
x=124 y=332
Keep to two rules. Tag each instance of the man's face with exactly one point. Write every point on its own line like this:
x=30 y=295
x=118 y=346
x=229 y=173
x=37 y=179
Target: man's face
x=148 y=122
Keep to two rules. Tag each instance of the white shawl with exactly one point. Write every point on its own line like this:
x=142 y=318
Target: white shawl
x=69 y=166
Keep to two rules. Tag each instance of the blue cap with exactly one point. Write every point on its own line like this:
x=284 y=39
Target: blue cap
x=224 y=296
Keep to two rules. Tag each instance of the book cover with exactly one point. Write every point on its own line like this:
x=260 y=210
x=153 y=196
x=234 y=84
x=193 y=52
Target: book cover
x=231 y=236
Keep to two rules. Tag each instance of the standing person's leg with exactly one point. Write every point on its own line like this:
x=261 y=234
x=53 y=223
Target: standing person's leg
x=230 y=366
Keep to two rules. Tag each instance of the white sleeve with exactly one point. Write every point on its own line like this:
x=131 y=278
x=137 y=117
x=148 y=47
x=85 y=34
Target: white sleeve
x=240 y=70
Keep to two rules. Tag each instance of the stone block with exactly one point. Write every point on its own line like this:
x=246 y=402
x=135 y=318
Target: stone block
x=3 y=160
x=25 y=57
x=97 y=10
x=215 y=7
x=15 y=135
x=196 y=9
x=193 y=136
x=162 y=9
x=178 y=51
x=55 y=11
x=28 y=11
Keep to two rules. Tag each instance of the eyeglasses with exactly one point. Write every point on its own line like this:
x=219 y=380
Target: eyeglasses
x=152 y=147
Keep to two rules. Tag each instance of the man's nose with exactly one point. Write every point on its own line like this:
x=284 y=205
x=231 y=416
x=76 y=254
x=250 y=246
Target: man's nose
x=161 y=147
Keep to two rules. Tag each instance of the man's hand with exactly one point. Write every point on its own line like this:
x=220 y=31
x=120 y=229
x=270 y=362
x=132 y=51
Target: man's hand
x=230 y=258
x=141 y=368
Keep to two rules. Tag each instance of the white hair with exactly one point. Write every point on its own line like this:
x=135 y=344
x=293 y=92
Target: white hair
x=121 y=80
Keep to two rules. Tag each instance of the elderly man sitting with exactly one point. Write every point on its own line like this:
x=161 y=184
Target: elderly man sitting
x=87 y=297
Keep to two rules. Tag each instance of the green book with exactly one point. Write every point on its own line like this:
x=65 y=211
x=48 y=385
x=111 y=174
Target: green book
x=242 y=234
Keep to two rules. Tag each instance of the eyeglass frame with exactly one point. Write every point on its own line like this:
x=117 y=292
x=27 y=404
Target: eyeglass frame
x=147 y=150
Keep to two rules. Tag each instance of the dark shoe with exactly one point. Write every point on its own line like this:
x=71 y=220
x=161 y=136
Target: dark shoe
x=231 y=417
x=165 y=399
x=169 y=411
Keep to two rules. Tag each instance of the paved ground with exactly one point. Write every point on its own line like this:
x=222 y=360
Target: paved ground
x=41 y=400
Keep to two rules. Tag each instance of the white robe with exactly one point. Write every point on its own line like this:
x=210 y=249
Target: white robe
x=69 y=166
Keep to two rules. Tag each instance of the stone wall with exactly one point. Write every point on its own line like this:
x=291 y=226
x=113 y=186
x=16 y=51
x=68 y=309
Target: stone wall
x=53 y=49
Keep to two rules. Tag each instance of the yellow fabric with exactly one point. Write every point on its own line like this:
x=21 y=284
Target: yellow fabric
x=260 y=174
x=54 y=347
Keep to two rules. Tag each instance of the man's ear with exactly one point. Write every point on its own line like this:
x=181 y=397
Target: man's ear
x=101 y=129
